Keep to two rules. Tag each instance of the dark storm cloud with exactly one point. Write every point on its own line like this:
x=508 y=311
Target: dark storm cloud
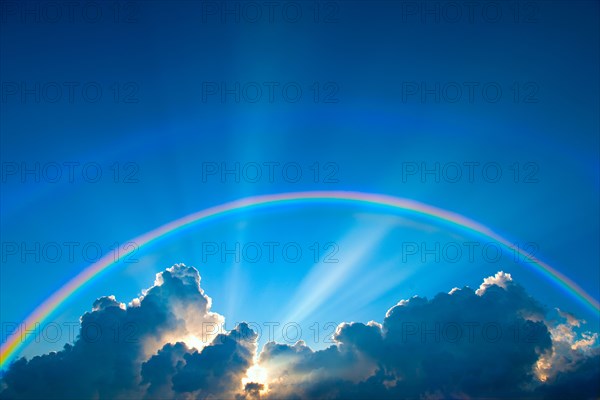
x=464 y=344
x=495 y=342
x=217 y=370
x=158 y=371
x=105 y=359
x=582 y=381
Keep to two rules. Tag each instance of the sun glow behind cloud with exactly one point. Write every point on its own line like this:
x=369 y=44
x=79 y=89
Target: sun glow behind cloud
x=193 y=341
x=257 y=374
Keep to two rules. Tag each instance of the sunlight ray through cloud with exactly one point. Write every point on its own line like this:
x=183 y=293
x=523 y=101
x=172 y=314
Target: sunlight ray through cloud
x=324 y=280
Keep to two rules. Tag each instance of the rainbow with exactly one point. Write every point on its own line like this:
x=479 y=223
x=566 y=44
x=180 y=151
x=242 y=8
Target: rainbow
x=14 y=342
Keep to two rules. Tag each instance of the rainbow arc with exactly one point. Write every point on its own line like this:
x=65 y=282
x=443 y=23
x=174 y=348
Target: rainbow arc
x=15 y=342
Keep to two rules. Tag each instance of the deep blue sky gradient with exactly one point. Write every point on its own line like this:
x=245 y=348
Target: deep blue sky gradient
x=169 y=50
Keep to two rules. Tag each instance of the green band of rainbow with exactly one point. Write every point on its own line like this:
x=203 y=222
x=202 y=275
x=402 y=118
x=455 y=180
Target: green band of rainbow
x=14 y=342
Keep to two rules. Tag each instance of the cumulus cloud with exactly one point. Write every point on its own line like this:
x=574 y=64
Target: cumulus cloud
x=214 y=372
x=493 y=342
x=501 y=279
x=463 y=343
x=114 y=340
x=571 y=368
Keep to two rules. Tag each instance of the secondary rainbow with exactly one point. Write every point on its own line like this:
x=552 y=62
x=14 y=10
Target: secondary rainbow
x=14 y=342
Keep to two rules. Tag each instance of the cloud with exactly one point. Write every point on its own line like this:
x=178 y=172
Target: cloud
x=581 y=381
x=501 y=279
x=114 y=340
x=464 y=343
x=216 y=371
x=496 y=341
x=573 y=360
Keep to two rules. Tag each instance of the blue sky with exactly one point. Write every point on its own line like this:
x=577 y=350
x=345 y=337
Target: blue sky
x=372 y=64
